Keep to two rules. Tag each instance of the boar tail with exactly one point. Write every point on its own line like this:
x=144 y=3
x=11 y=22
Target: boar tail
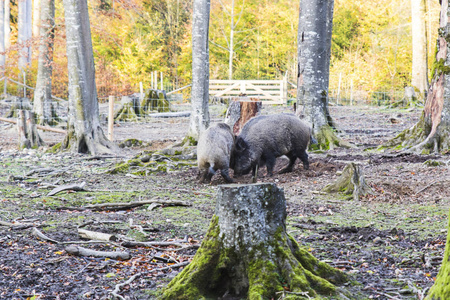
x=313 y=141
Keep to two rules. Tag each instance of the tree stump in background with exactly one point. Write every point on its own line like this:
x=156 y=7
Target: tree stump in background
x=351 y=181
x=248 y=254
x=19 y=103
x=129 y=111
x=154 y=101
x=28 y=135
x=241 y=110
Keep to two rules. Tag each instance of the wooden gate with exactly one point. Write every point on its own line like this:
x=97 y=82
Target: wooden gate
x=268 y=91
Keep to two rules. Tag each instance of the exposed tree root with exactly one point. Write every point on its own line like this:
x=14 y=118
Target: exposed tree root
x=327 y=139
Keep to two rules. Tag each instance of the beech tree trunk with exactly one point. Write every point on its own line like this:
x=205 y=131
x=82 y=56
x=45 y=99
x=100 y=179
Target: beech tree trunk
x=36 y=32
x=2 y=36
x=84 y=134
x=200 y=69
x=42 y=103
x=6 y=24
x=24 y=34
x=314 y=50
x=432 y=132
x=248 y=254
x=240 y=111
x=419 y=78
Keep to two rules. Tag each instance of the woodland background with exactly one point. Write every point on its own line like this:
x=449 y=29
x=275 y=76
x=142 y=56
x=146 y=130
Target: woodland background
x=371 y=43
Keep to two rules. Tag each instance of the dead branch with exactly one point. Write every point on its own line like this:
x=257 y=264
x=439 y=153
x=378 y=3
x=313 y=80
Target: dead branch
x=98 y=236
x=98 y=222
x=80 y=251
x=44 y=128
x=42 y=236
x=130 y=244
x=129 y=205
x=73 y=187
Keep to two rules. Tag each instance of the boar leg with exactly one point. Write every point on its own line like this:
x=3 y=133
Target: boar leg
x=270 y=164
x=304 y=158
x=226 y=176
x=289 y=167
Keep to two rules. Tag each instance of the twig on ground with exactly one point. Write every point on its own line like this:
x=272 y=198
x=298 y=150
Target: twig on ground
x=42 y=236
x=123 y=206
x=428 y=186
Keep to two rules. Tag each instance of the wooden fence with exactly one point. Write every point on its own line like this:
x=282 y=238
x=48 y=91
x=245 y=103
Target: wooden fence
x=268 y=91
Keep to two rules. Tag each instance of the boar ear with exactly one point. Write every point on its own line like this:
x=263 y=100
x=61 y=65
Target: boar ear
x=240 y=144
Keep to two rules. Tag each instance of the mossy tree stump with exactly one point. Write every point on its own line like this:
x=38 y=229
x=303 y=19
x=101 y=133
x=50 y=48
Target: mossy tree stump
x=154 y=100
x=26 y=127
x=248 y=254
x=440 y=289
x=351 y=181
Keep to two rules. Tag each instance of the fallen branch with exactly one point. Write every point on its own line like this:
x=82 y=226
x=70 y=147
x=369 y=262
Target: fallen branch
x=123 y=206
x=98 y=236
x=130 y=244
x=72 y=187
x=45 y=128
x=42 y=236
x=428 y=186
x=80 y=251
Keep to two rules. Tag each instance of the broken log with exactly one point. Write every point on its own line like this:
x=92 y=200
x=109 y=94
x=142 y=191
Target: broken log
x=97 y=236
x=80 y=251
x=28 y=135
x=71 y=187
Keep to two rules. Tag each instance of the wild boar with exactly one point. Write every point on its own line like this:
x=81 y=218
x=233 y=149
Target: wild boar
x=213 y=152
x=264 y=138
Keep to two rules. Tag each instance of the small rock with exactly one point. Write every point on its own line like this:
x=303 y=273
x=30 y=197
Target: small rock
x=377 y=240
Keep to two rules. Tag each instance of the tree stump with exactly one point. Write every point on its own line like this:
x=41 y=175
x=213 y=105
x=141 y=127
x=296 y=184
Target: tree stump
x=350 y=182
x=154 y=100
x=130 y=109
x=19 y=103
x=248 y=254
x=241 y=110
x=28 y=135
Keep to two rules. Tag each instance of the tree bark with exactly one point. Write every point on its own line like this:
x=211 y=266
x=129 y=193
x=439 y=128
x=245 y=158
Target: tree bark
x=199 y=120
x=432 y=132
x=419 y=78
x=2 y=36
x=7 y=28
x=36 y=32
x=42 y=103
x=314 y=50
x=440 y=290
x=84 y=134
x=248 y=254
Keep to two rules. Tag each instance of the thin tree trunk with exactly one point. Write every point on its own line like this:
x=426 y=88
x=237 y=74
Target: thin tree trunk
x=84 y=132
x=314 y=47
x=2 y=36
x=24 y=34
x=200 y=69
x=419 y=79
x=36 y=17
x=42 y=105
x=7 y=29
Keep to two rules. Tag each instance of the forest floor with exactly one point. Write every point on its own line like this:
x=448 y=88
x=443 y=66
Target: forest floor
x=390 y=241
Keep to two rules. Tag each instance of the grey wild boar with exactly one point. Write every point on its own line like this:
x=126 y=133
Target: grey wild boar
x=264 y=138
x=213 y=152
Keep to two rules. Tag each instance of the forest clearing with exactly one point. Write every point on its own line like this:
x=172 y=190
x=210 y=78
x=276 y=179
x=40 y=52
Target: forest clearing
x=391 y=242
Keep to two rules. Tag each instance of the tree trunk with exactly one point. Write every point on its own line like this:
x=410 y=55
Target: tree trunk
x=432 y=132
x=42 y=103
x=440 y=290
x=419 y=78
x=7 y=28
x=200 y=69
x=314 y=50
x=28 y=135
x=84 y=134
x=240 y=111
x=248 y=254
x=24 y=34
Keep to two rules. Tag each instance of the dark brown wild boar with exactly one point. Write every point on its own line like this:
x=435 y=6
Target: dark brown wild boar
x=213 y=152
x=264 y=138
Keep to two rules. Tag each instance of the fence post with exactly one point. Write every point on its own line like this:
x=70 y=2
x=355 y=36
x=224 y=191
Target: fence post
x=161 y=76
x=111 y=118
x=351 y=92
x=24 y=84
x=5 y=86
x=152 y=80
x=339 y=89
x=141 y=91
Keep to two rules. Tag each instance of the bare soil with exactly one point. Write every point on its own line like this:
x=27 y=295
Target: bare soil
x=391 y=242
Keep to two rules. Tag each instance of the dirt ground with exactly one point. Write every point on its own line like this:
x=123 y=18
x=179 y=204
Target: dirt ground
x=391 y=241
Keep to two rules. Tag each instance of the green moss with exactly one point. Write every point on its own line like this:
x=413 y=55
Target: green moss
x=189 y=141
x=131 y=143
x=55 y=149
